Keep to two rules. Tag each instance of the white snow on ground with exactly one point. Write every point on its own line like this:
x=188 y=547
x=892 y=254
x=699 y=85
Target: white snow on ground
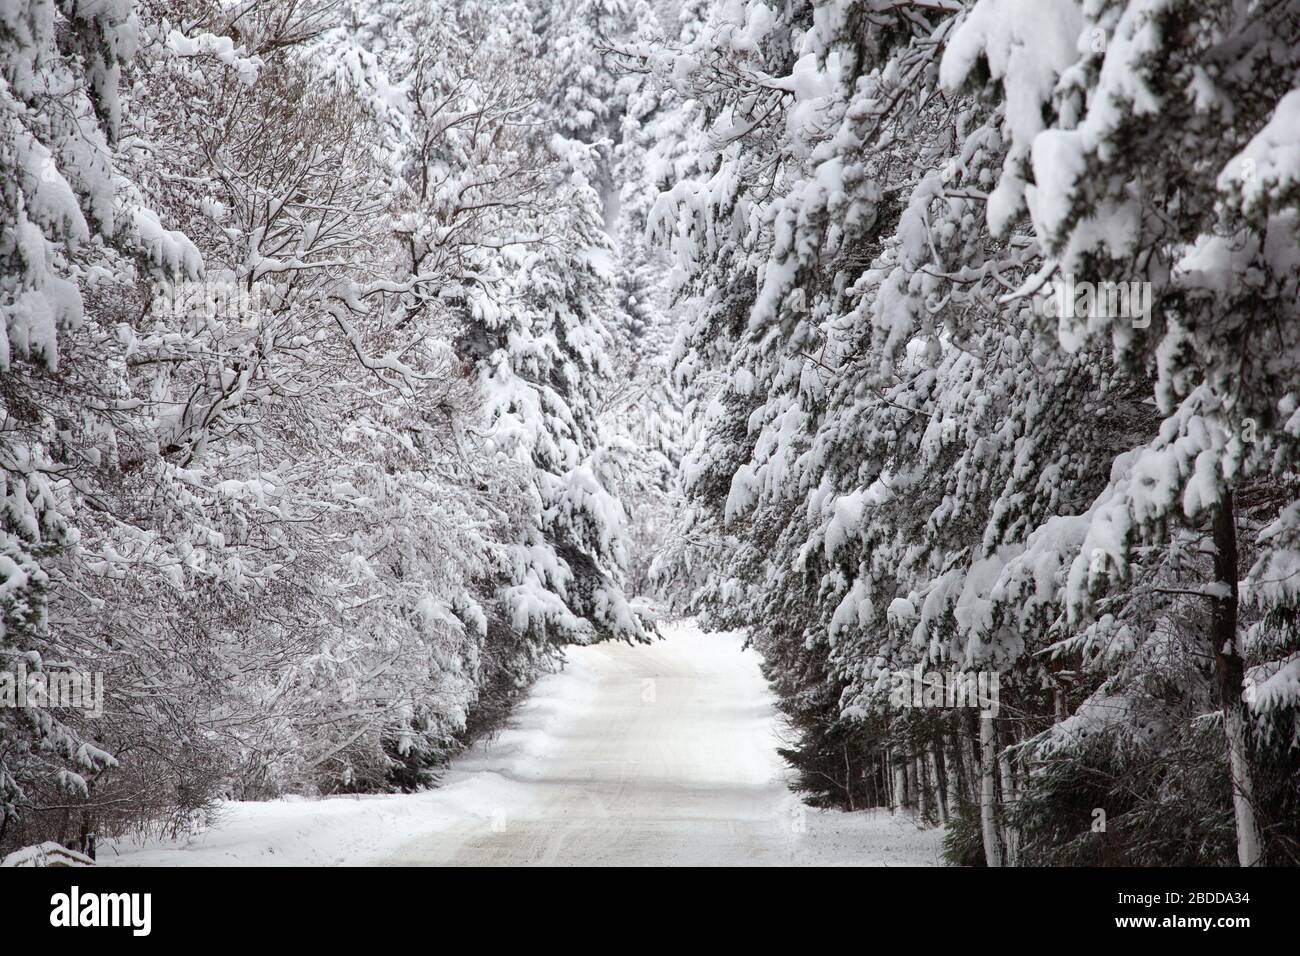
x=640 y=755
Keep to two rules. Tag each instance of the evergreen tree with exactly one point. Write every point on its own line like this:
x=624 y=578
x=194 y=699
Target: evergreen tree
x=911 y=459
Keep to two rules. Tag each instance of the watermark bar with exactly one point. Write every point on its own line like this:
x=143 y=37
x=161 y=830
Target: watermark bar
x=21 y=689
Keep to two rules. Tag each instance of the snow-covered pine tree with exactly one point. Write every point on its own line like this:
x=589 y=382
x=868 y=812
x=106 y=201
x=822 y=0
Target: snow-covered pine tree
x=512 y=219
x=643 y=412
x=59 y=223
x=536 y=338
x=958 y=490
x=581 y=91
x=1140 y=180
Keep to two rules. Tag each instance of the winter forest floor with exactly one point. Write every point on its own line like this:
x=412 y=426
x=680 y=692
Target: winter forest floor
x=638 y=755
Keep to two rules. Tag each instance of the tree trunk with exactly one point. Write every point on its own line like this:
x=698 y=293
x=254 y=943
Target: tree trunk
x=1010 y=843
x=971 y=757
x=848 y=779
x=921 y=775
x=1231 y=672
x=869 y=781
x=989 y=792
x=909 y=768
x=952 y=772
x=887 y=779
x=900 y=785
x=934 y=761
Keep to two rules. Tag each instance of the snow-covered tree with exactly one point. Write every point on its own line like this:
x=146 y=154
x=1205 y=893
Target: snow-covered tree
x=908 y=458
x=61 y=227
x=259 y=474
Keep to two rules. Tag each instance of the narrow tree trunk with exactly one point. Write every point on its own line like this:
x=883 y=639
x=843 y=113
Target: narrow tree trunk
x=900 y=785
x=869 y=780
x=1010 y=842
x=887 y=778
x=934 y=762
x=909 y=768
x=1231 y=671
x=922 y=777
x=952 y=772
x=971 y=758
x=989 y=792
x=882 y=769
x=848 y=779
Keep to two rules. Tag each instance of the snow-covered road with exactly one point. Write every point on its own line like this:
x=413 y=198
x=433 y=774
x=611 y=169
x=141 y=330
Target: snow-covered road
x=663 y=754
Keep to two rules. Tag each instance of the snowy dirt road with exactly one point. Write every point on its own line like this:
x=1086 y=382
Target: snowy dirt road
x=647 y=755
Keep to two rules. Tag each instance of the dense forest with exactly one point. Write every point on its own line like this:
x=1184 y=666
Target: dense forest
x=359 y=356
